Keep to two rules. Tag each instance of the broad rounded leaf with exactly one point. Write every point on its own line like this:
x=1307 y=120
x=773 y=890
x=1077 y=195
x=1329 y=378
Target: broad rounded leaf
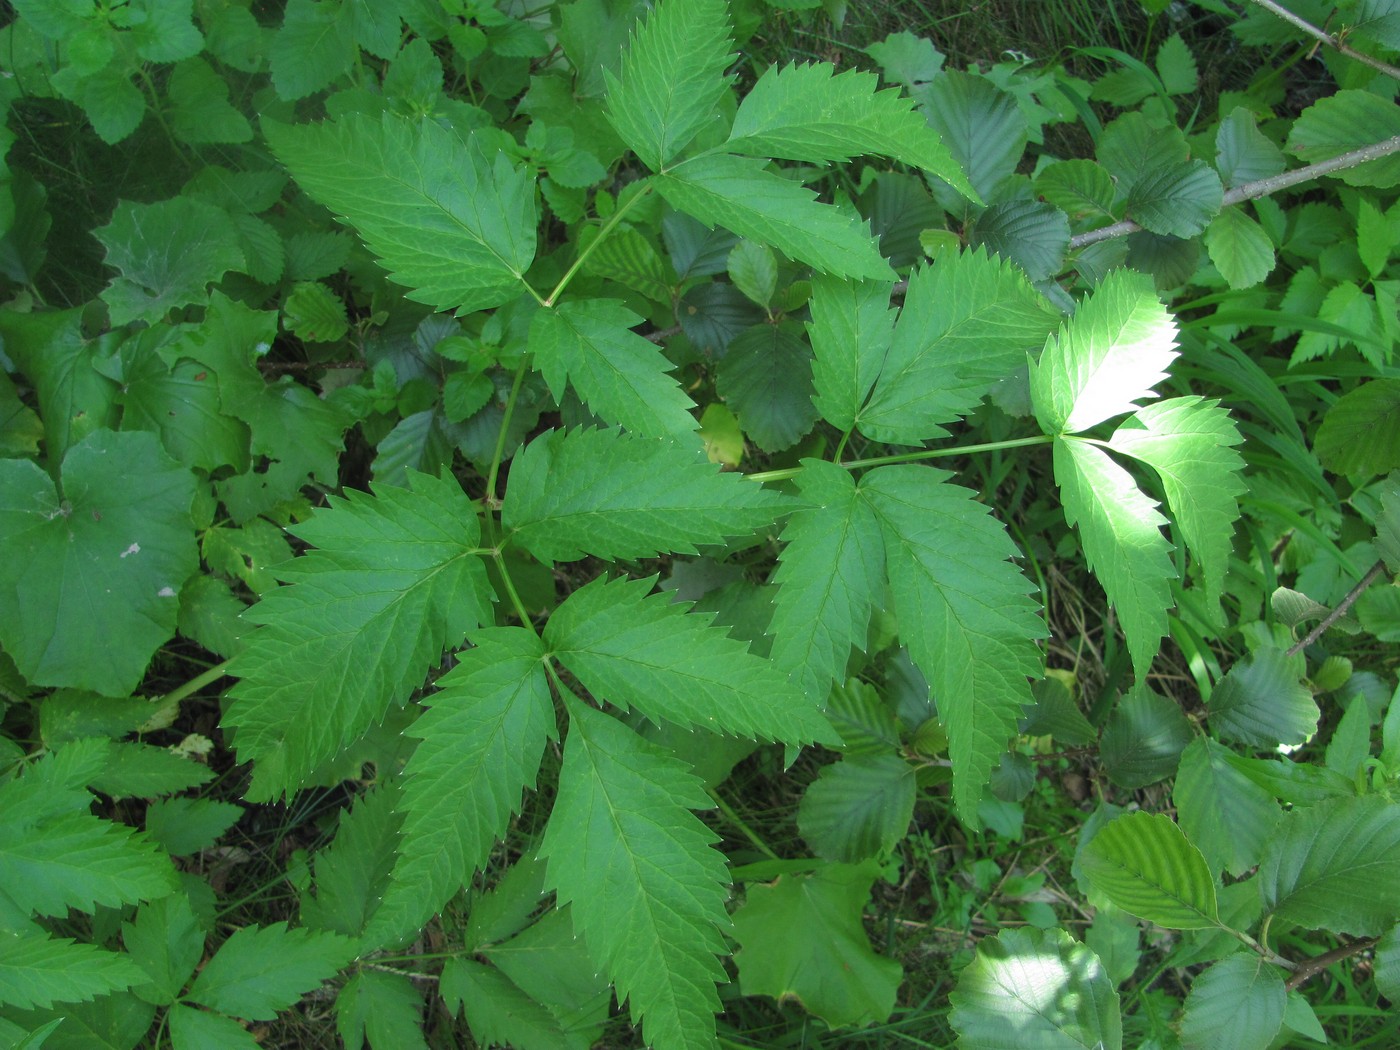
x=1242 y=153
x=1237 y=1003
x=858 y=808
x=1240 y=248
x=1262 y=702
x=766 y=378
x=1344 y=121
x=1179 y=200
x=1143 y=863
x=1228 y=816
x=1361 y=432
x=981 y=125
x=1143 y=740
x=1031 y=234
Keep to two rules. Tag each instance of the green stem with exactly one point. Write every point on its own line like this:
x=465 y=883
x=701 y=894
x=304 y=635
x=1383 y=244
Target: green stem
x=195 y=684
x=512 y=593
x=608 y=227
x=841 y=447
x=499 y=453
x=910 y=457
x=747 y=831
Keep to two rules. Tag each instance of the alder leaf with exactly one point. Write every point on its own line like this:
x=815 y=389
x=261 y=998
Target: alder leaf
x=573 y=493
x=1239 y=1002
x=1144 y=864
x=646 y=652
x=646 y=887
x=964 y=613
x=1348 y=120
x=1228 y=816
x=858 y=808
x=766 y=379
x=453 y=221
x=1262 y=703
x=397 y=580
x=1240 y=248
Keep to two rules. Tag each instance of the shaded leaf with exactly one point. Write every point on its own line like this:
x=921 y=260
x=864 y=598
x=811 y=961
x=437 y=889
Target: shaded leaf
x=1222 y=811
x=1238 y=1002
x=1143 y=740
x=858 y=808
x=1261 y=702
x=766 y=378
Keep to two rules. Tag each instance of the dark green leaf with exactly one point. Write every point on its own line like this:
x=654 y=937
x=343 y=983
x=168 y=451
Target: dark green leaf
x=1228 y=816
x=1238 y=1002
x=980 y=124
x=766 y=378
x=1031 y=234
x=1361 y=432
x=858 y=808
x=1344 y=121
x=1261 y=702
x=1143 y=740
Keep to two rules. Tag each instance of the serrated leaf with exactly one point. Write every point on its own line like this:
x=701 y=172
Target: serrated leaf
x=600 y=492
x=963 y=613
x=1079 y=187
x=754 y=270
x=1360 y=434
x=200 y=112
x=766 y=379
x=1190 y=443
x=1374 y=239
x=482 y=739
x=1239 y=1002
x=396 y=581
x=452 y=220
x=187 y=825
x=740 y=194
x=802 y=937
x=858 y=808
x=168 y=253
x=981 y=125
x=314 y=46
x=623 y=377
x=1344 y=121
x=1036 y=990
x=352 y=873
x=37 y=970
x=464 y=394
x=626 y=256
x=499 y=1013
x=1105 y=358
x=191 y=1028
x=967 y=322
x=907 y=58
x=384 y=1008
x=121 y=516
x=850 y=331
x=1336 y=866
x=1143 y=739
x=1242 y=153
x=74 y=397
x=1240 y=248
x=671 y=79
x=314 y=313
x=1262 y=703
x=136 y=770
x=645 y=652
x=1032 y=234
x=1056 y=714
x=181 y=403
x=830 y=576
x=809 y=112
x=1144 y=864
x=646 y=887
x=1227 y=815
x=165 y=940
x=260 y=970
x=112 y=103
x=1121 y=532
x=1176 y=66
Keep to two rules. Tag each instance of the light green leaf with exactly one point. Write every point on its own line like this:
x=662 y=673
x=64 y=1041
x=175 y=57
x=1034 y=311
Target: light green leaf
x=1143 y=740
x=384 y=1008
x=1335 y=866
x=754 y=270
x=1144 y=864
x=1227 y=815
x=1239 y=1002
x=200 y=110
x=1374 y=237
x=1121 y=532
x=581 y=492
x=163 y=30
x=1190 y=443
x=672 y=78
x=1080 y=188
x=967 y=322
x=621 y=376
x=1344 y=121
x=112 y=103
x=1360 y=434
x=850 y=330
x=119 y=516
x=166 y=941
x=1242 y=153
x=261 y=970
x=1261 y=702
x=740 y=194
x=981 y=125
x=858 y=808
x=907 y=58
x=315 y=45
x=1176 y=66
x=192 y=1029
x=314 y=313
x=37 y=970
x=645 y=651
x=812 y=113
x=1105 y=358
x=1032 y=234
x=464 y=394
x=1036 y=990
x=802 y=937
x=168 y=253
x=482 y=739
x=963 y=612
x=1240 y=248
x=396 y=581
x=766 y=379
x=136 y=770
x=646 y=886
x=453 y=221
x=830 y=574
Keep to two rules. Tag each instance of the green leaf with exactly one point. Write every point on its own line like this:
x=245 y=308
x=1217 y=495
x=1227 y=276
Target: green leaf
x=1121 y=533
x=181 y=403
x=1344 y=121
x=74 y=397
x=1360 y=434
x=314 y=313
x=1080 y=188
x=754 y=270
x=168 y=253
x=383 y=1007
x=1239 y=1002
x=830 y=574
x=464 y=394
x=907 y=58
x=1176 y=66
x=1105 y=358
x=500 y=1014
x=740 y=194
x=482 y=739
x=963 y=613
x=1143 y=740
x=802 y=937
x=112 y=103
x=396 y=581
x=1228 y=817
x=1335 y=866
x=1032 y=234
x=89 y=587
x=967 y=322
x=352 y=873
x=200 y=111
x=163 y=30
x=135 y=770
x=1242 y=153
x=1388 y=963
x=1179 y=200
x=626 y=256
x=452 y=220
x=809 y=112
x=858 y=808
x=1190 y=443
x=1240 y=248
x=191 y=1028
x=581 y=492
x=646 y=887
x=645 y=652
x=263 y=969
x=1144 y=864
x=621 y=376
x=1036 y=990
x=37 y=970
x=183 y=826
x=766 y=379
x=672 y=78
x=1262 y=703
x=315 y=45
x=166 y=941
x=1374 y=238
x=981 y=125
x=850 y=330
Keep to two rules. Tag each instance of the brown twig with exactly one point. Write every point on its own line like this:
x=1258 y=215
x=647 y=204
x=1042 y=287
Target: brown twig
x=1327 y=38
x=1310 y=968
x=1372 y=574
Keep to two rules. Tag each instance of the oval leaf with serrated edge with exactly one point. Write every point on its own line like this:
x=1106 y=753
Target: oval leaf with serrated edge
x=1238 y=1003
x=1240 y=248
x=1143 y=863
x=261 y=970
x=1031 y=234
x=1179 y=200
x=858 y=808
x=1344 y=121
x=1261 y=702
x=1036 y=990
x=1227 y=815
x=1361 y=432
x=766 y=378
x=1143 y=740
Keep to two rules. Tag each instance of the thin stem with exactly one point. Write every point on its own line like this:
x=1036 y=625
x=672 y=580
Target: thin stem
x=500 y=451
x=194 y=685
x=910 y=457
x=1372 y=575
x=1327 y=38
x=739 y=823
x=841 y=447
x=512 y=593
x=608 y=227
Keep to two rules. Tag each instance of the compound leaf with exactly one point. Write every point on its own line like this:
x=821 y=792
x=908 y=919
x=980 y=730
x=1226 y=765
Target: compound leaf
x=381 y=1009
x=263 y=969
x=1239 y=1002
x=452 y=221
x=850 y=330
x=1144 y=864
x=963 y=612
x=37 y=970
x=646 y=887
x=396 y=581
